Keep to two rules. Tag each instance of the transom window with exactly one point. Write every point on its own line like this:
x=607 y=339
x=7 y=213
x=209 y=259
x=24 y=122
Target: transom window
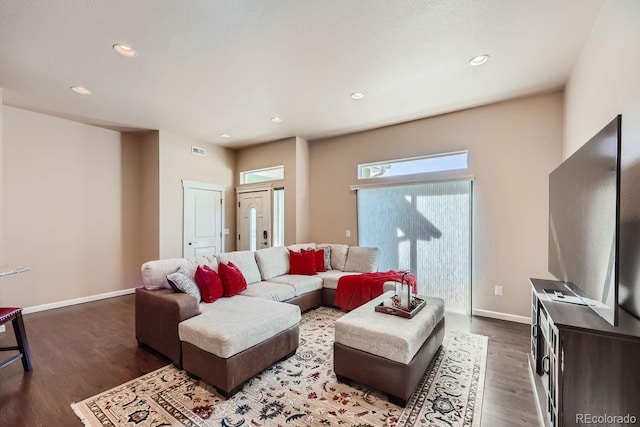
x=415 y=165
x=274 y=173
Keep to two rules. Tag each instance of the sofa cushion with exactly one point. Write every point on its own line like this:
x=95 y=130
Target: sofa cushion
x=301 y=284
x=181 y=279
x=303 y=262
x=233 y=280
x=246 y=262
x=299 y=246
x=270 y=290
x=362 y=259
x=154 y=273
x=209 y=284
x=231 y=325
x=338 y=255
x=330 y=278
x=272 y=262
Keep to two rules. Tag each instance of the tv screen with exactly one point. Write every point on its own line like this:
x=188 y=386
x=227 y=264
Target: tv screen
x=584 y=221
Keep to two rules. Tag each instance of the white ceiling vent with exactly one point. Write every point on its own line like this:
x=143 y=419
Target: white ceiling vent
x=199 y=151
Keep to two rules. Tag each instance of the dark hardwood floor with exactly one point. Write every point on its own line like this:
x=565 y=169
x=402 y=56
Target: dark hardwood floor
x=82 y=350
x=77 y=352
x=508 y=392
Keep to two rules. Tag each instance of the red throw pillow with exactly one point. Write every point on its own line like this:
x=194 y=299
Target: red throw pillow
x=319 y=258
x=209 y=283
x=232 y=279
x=303 y=262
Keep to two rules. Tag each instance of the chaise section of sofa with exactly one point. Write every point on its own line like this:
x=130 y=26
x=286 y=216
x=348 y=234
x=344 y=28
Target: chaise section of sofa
x=250 y=335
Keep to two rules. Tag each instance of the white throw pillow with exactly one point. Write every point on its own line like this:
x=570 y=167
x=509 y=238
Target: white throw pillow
x=154 y=273
x=362 y=259
x=183 y=281
x=338 y=255
x=272 y=262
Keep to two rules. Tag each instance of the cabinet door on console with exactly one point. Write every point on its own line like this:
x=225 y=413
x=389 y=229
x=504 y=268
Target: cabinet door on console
x=599 y=377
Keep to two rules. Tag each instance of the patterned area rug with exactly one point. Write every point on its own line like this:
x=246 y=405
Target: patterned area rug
x=301 y=391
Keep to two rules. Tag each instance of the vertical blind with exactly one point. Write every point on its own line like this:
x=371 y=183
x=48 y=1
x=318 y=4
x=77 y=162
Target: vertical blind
x=424 y=228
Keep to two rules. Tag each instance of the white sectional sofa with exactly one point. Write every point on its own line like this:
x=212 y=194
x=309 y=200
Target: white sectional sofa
x=232 y=339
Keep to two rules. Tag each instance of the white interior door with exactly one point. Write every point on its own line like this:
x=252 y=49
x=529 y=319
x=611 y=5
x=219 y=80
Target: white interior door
x=203 y=219
x=254 y=220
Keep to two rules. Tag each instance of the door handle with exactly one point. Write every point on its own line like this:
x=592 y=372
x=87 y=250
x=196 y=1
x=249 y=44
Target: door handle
x=545 y=369
x=193 y=243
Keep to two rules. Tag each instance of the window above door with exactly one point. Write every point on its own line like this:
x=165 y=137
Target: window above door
x=273 y=173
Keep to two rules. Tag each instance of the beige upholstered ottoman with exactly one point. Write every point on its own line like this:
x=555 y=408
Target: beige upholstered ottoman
x=387 y=352
x=235 y=338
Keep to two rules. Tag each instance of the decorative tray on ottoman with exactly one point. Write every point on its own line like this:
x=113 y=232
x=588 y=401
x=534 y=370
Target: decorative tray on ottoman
x=416 y=305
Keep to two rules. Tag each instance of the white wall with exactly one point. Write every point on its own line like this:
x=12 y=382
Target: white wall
x=606 y=82
x=84 y=206
x=302 y=190
x=176 y=162
x=70 y=206
x=150 y=184
x=282 y=152
x=512 y=147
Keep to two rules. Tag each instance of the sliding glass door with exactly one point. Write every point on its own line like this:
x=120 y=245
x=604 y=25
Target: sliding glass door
x=424 y=228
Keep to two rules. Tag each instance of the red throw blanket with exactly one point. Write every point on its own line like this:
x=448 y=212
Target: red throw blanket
x=356 y=289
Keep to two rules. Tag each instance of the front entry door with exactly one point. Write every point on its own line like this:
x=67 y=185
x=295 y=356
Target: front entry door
x=254 y=220
x=202 y=220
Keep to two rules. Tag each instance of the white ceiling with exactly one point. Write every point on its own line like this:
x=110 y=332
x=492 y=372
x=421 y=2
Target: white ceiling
x=209 y=67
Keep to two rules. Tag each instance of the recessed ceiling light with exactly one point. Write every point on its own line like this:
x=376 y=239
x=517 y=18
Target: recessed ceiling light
x=357 y=95
x=225 y=135
x=80 y=90
x=478 y=60
x=276 y=119
x=125 y=50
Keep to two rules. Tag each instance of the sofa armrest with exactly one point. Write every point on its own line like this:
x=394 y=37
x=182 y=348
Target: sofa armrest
x=157 y=316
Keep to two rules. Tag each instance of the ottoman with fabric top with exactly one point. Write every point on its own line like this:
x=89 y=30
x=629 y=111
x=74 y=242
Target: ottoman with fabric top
x=387 y=352
x=250 y=335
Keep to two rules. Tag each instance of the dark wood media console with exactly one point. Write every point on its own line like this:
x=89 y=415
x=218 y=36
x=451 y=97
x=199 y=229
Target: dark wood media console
x=585 y=371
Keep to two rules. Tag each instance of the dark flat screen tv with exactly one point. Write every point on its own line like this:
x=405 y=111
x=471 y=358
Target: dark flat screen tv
x=584 y=224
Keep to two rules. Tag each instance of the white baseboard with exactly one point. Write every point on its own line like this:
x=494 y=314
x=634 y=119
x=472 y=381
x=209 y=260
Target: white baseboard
x=501 y=316
x=75 y=301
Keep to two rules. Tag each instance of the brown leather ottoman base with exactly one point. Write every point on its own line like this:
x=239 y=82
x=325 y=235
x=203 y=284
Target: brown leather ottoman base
x=396 y=379
x=228 y=375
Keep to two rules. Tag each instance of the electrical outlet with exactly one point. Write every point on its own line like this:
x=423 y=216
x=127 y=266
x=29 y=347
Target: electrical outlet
x=499 y=291
x=347 y=233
